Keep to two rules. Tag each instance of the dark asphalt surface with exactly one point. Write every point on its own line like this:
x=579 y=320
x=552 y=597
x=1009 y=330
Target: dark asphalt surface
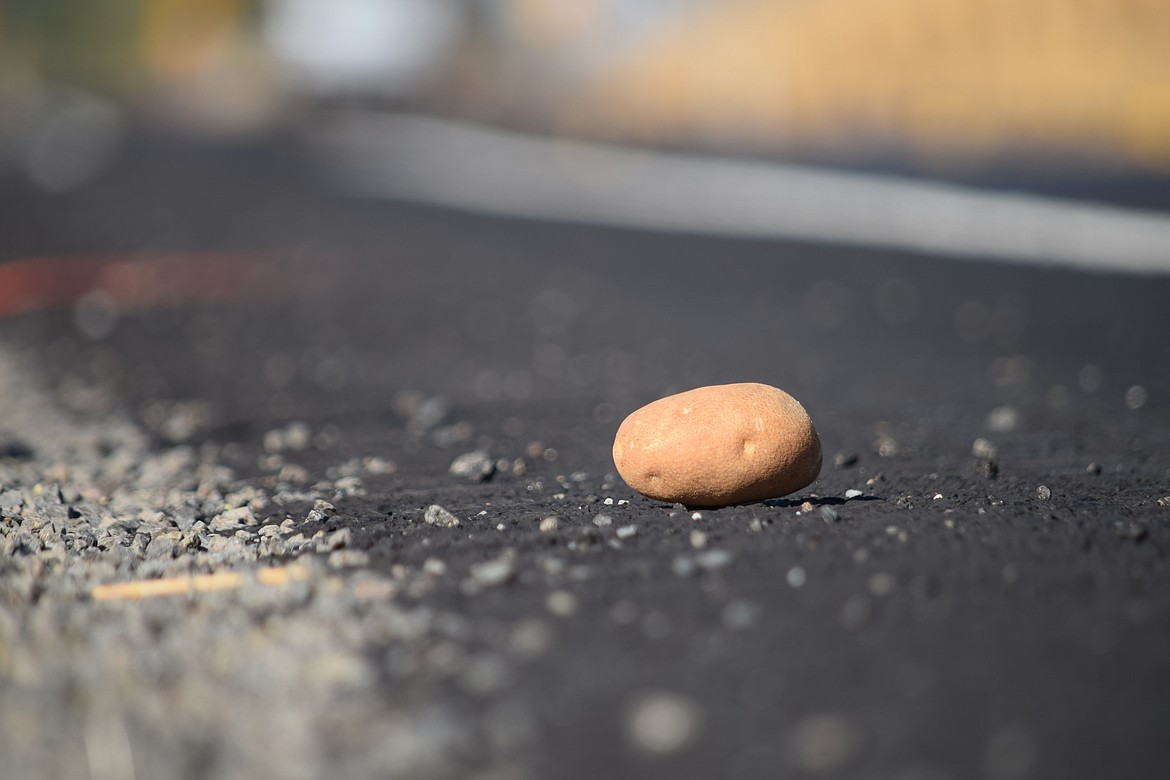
x=943 y=624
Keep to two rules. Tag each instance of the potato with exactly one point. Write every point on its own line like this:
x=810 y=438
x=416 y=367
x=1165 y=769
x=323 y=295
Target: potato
x=719 y=445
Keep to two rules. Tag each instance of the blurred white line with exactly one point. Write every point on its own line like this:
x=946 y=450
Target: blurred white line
x=494 y=172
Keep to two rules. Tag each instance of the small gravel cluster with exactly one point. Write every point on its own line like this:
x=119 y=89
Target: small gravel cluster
x=255 y=681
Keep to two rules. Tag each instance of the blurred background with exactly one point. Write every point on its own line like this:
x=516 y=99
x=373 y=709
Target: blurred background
x=952 y=87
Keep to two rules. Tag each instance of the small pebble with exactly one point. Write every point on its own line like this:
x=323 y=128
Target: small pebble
x=853 y=493
x=843 y=460
x=626 y=531
x=561 y=603
x=548 y=525
x=493 y=573
x=1136 y=397
x=1003 y=419
x=1043 y=493
x=476 y=466
x=713 y=559
x=881 y=583
x=440 y=516
x=435 y=567
x=342 y=537
x=321 y=510
x=662 y=723
x=682 y=566
x=984 y=449
x=603 y=521
x=530 y=639
x=349 y=559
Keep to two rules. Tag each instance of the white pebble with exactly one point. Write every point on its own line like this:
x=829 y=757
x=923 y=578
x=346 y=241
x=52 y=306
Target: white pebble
x=1136 y=397
x=561 y=603
x=663 y=723
x=1003 y=419
x=682 y=566
x=440 y=516
x=530 y=639
x=492 y=573
x=713 y=559
x=984 y=449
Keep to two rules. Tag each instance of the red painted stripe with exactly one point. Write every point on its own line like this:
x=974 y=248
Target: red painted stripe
x=144 y=280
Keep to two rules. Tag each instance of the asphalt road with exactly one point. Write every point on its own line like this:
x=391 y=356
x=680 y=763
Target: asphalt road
x=966 y=615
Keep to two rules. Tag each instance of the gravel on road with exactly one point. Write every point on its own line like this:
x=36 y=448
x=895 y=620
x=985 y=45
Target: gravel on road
x=373 y=529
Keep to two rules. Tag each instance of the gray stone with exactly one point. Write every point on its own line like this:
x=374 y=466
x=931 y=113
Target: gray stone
x=493 y=573
x=321 y=510
x=232 y=519
x=165 y=545
x=335 y=541
x=713 y=559
x=476 y=466
x=438 y=515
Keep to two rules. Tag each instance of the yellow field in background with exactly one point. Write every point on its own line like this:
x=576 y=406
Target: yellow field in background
x=956 y=81
x=944 y=77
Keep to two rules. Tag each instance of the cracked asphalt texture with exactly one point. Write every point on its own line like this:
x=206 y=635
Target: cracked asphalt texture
x=976 y=586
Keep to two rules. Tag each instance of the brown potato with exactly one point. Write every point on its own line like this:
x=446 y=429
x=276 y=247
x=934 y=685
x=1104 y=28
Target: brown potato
x=719 y=445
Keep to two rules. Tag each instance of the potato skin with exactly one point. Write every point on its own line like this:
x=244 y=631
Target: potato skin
x=719 y=445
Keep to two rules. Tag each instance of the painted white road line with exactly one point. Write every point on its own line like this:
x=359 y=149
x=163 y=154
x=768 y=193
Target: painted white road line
x=509 y=174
